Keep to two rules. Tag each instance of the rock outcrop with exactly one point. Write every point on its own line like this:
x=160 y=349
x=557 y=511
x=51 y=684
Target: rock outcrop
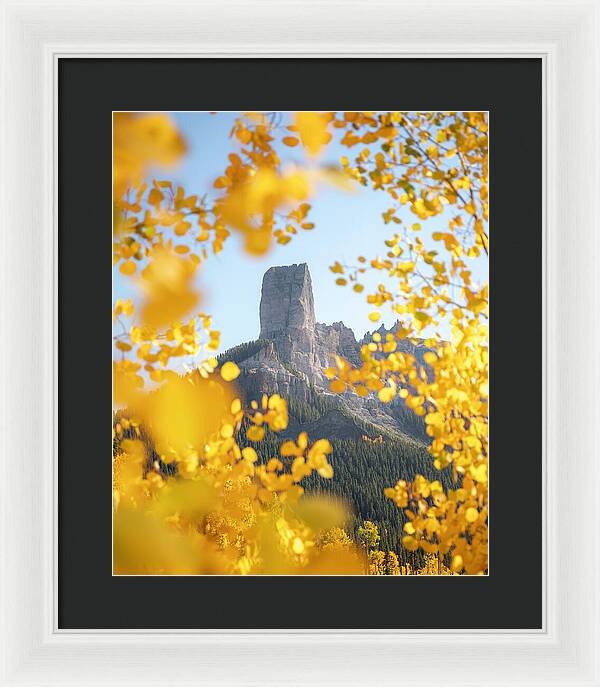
x=286 y=302
x=287 y=319
x=293 y=351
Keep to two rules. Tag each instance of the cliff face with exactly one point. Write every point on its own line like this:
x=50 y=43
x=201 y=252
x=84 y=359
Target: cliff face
x=293 y=352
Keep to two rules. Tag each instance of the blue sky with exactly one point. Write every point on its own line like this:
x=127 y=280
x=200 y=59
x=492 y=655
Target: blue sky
x=347 y=225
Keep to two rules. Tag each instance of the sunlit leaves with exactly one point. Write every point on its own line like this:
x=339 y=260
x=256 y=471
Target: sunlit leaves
x=438 y=160
x=128 y=267
x=183 y=414
x=126 y=381
x=249 y=207
x=146 y=545
x=255 y=433
x=312 y=128
x=230 y=371
x=167 y=282
x=386 y=394
x=337 y=386
x=226 y=511
x=140 y=141
x=123 y=307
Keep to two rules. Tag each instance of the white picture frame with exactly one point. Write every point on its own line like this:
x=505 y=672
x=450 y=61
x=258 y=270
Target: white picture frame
x=565 y=34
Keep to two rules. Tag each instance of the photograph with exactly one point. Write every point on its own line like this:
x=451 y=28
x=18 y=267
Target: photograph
x=300 y=343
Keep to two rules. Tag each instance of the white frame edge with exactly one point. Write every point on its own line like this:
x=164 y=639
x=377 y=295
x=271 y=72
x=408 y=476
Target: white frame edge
x=565 y=33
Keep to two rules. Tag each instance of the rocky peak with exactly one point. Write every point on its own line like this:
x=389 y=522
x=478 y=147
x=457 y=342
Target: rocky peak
x=286 y=301
x=293 y=352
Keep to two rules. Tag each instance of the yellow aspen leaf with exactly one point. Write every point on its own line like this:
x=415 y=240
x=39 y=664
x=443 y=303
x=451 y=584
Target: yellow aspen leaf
x=432 y=525
x=249 y=207
x=480 y=473
x=257 y=241
x=124 y=307
x=337 y=386
x=375 y=316
x=290 y=141
x=312 y=128
x=472 y=514
x=221 y=182
x=227 y=431
x=387 y=132
x=289 y=448
x=249 y=454
x=230 y=371
x=457 y=563
x=128 y=267
x=155 y=198
x=139 y=141
x=386 y=394
x=325 y=471
x=181 y=228
x=169 y=290
x=434 y=418
x=255 y=433
x=243 y=135
x=410 y=543
x=184 y=415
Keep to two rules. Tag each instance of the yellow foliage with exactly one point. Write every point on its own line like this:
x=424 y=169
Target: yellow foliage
x=230 y=371
x=140 y=141
x=312 y=128
x=168 y=288
x=228 y=512
x=249 y=206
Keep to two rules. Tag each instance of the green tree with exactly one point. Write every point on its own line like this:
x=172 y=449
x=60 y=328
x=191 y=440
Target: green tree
x=368 y=538
x=334 y=539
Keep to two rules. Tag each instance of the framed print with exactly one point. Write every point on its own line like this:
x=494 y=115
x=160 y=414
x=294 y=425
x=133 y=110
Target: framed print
x=319 y=469
x=346 y=415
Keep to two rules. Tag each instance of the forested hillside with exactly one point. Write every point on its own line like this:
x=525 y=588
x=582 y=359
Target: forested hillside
x=363 y=468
